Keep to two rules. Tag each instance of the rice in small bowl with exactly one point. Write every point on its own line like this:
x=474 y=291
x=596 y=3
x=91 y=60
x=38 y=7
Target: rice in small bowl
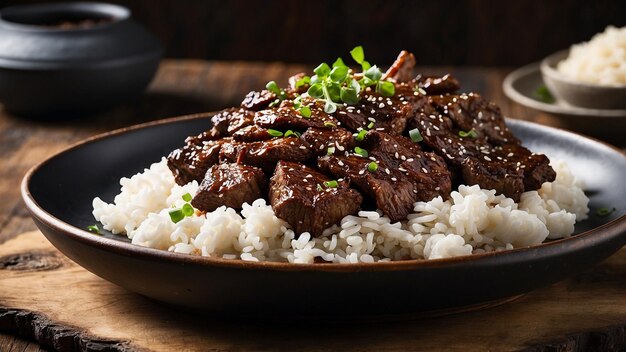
x=590 y=74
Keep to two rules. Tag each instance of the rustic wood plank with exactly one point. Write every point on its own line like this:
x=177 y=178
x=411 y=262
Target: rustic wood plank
x=67 y=308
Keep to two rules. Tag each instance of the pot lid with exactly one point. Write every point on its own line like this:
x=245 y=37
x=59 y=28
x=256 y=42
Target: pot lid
x=74 y=34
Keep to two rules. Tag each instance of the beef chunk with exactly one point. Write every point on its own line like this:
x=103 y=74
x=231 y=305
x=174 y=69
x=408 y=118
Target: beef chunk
x=390 y=114
x=229 y=121
x=192 y=161
x=293 y=81
x=402 y=68
x=296 y=198
x=266 y=154
x=258 y=100
x=252 y=133
x=471 y=111
x=433 y=85
x=230 y=185
x=320 y=139
x=286 y=117
x=404 y=175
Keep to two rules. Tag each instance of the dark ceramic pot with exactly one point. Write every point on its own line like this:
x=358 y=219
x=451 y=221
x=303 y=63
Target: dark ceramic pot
x=72 y=58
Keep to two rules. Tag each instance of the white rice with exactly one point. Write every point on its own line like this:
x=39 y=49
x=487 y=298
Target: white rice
x=473 y=220
x=602 y=60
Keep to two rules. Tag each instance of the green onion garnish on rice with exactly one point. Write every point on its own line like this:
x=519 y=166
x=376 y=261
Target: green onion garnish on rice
x=94 y=228
x=176 y=215
x=187 y=197
x=187 y=209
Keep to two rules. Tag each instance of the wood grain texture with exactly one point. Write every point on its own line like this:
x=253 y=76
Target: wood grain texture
x=84 y=312
x=189 y=86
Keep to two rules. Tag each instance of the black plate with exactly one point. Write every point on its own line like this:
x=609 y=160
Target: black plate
x=59 y=191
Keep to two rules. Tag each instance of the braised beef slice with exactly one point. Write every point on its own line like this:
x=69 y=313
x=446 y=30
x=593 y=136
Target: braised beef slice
x=493 y=158
x=321 y=139
x=296 y=198
x=435 y=85
x=192 y=161
x=293 y=80
x=252 y=133
x=286 y=117
x=265 y=154
x=389 y=114
x=229 y=121
x=471 y=111
x=399 y=180
x=230 y=185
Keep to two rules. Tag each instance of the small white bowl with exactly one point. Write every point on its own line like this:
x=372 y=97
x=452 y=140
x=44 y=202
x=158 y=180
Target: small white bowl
x=577 y=93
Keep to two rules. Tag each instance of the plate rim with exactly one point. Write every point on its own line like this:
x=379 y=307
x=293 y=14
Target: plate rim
x=614 y=227
x=522 y=99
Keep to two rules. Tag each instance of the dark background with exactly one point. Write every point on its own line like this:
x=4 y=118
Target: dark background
x=439 y=32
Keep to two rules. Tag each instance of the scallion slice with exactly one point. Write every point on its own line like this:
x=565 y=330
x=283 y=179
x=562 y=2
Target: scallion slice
x=415 y=135
x=188 y=210
x=373 y=166
x=289 y=133
x=94 y=228
x=603 y=212
x=187 y=197
x=176 y=215
x=331 y=184
x=329 y=124
x=362 y=152
x=361 y=136
x=471 y=133
x=370 y=126
x=330 y=151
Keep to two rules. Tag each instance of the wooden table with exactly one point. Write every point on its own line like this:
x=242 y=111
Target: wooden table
x=185 y=86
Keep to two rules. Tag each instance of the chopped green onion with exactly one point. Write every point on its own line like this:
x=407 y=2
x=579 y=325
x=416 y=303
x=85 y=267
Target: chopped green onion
x=542 y=93
x=359 y=137
x=319 y=188
x=330 y=151
x=305 y=111
x=298 y=134
x=331 y=184
x=187 y=197
x=362 y=152
x=370 y=126
x=603 y=212
x=373 y=166
x=94 y=229
x=176 y=215
x=289 y=133
x=329 y=124
x=274 y=133
x=415 y=135
x=273 y=87
x=188 y=210
x=471 y=133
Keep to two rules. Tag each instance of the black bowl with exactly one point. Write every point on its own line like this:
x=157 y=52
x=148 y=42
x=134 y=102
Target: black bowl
x=69 y=58
x=59 y=194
